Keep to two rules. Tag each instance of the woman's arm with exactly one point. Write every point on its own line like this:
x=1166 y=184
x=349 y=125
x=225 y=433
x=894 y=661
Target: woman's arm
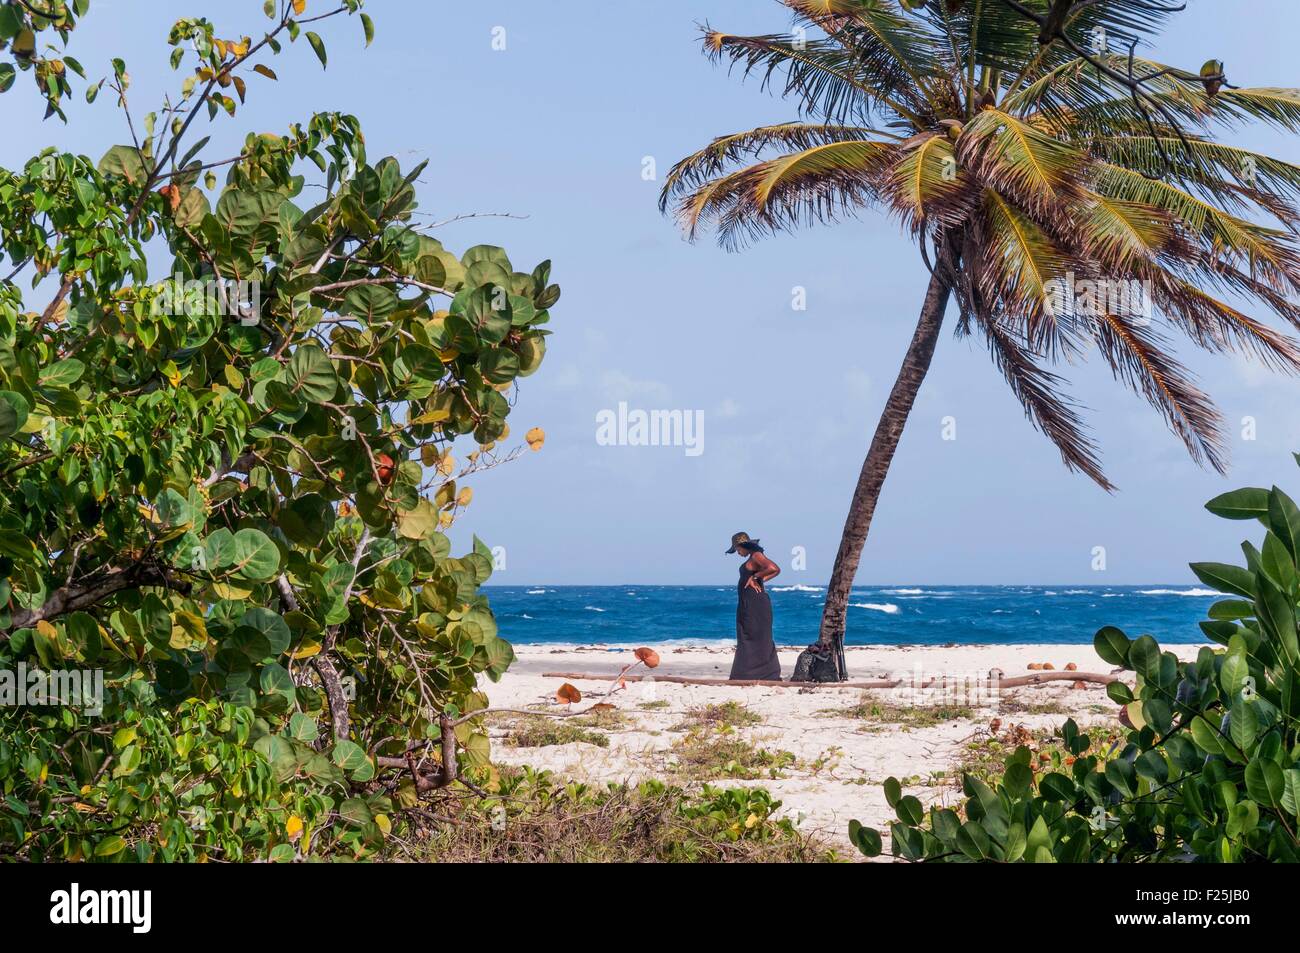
x=763 y=569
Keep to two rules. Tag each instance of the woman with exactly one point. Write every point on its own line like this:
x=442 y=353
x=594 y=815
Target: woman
x=755 y=651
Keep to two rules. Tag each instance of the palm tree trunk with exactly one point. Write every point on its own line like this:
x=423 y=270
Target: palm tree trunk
x=888 y=431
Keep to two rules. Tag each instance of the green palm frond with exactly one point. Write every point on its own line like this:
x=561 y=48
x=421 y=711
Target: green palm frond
x=827 y=80
x=1007 y=154
x=1226 y=173
x=1018 y=265
x=1026 y=162
x=926 y=186
x=818 y=184
x=1124 y=234
x=1270 y=251
x=699 y=167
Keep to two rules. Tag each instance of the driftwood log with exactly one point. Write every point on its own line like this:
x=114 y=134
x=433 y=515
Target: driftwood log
x=1019 y=681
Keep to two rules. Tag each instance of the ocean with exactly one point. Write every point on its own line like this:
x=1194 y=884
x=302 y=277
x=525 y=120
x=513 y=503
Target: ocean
x=878 y=615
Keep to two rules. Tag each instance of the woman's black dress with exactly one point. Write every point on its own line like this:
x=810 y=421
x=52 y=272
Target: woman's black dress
x=755 y=650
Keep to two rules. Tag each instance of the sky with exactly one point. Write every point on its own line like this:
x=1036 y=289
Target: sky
x=568 y=114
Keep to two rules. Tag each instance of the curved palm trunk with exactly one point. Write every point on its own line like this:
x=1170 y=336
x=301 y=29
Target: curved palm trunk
x=883 y=445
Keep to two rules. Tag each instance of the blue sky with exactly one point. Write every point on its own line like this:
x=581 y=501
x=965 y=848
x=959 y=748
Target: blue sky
x=557 y=127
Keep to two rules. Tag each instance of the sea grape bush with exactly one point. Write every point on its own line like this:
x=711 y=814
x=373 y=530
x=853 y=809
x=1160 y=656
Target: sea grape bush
x=235 y=509
x=1209 y=770
x=26 y=30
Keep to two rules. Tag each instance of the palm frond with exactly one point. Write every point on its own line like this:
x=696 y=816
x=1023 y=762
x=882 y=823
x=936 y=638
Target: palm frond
x=1140 y=358
x=926 y=186
x=700 y=167
x=818 y=184
x=825 y=79
x=1036 y=388
x=1019 y=266
x=1005 y=153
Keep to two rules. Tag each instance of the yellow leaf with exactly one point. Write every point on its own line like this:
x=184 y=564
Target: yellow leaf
x=294 y=827
x=265 y=71
x=464 y=496
x=535 y=438
x=751 y=821
x=384 y=824
x=307 y=649
x=299 y=6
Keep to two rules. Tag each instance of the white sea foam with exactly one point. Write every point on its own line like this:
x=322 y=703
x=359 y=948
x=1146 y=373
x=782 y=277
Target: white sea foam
x=535 y=592
x=795 y=588
x=593 y=609
x=887 y=607
x=1180 y=592
x=903 y=592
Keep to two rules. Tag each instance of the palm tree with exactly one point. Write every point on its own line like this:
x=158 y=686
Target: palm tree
x=1040 y=164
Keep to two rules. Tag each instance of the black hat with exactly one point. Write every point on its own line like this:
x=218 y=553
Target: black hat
x=739 y=538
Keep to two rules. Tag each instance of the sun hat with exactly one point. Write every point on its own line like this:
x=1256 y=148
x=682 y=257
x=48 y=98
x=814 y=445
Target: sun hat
x=739 y=538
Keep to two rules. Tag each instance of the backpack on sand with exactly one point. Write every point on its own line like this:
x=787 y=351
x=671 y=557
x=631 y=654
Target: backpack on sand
x=822 y=662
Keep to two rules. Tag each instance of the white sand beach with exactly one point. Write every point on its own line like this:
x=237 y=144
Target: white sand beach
x=840 y=756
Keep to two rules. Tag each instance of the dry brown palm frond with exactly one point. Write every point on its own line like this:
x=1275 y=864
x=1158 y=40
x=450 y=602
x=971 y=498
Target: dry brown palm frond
x=1037 y=389
x=1140 y=358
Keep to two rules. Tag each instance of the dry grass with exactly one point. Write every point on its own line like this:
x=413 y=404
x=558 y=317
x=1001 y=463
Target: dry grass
x=704 y=754
x=882 y=714
x=728 y=714
x=541 y=732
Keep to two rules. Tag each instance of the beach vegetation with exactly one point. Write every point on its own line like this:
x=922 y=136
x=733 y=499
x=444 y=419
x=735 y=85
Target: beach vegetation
x=1206 y=765
x=542 y=732
x=705 y=753
x=532 y=816
x=731 y=714
x=233 y=391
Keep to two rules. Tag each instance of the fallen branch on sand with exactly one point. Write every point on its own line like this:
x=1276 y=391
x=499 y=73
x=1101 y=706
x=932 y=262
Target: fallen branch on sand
x=1018 y=681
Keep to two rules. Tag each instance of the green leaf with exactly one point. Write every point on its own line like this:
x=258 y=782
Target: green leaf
x=318 y=46
x=1226 y=578
x=368 y=26
x=1284 y=521
x=302 y=728
x=255 y=558
x=349 y=755
x=910 y=811
x=418 y=523
x=1232 y=674
x=310 y=373
x=865 y=839
x=125 y=161
x=1244 y=725
x=110 y=846
x=14 y=411
x=63 y=373
x=1112 y=645
x=1265 y=782
x=1245 y=504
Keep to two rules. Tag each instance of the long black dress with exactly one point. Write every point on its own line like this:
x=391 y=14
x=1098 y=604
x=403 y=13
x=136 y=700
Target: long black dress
x=755 y=650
